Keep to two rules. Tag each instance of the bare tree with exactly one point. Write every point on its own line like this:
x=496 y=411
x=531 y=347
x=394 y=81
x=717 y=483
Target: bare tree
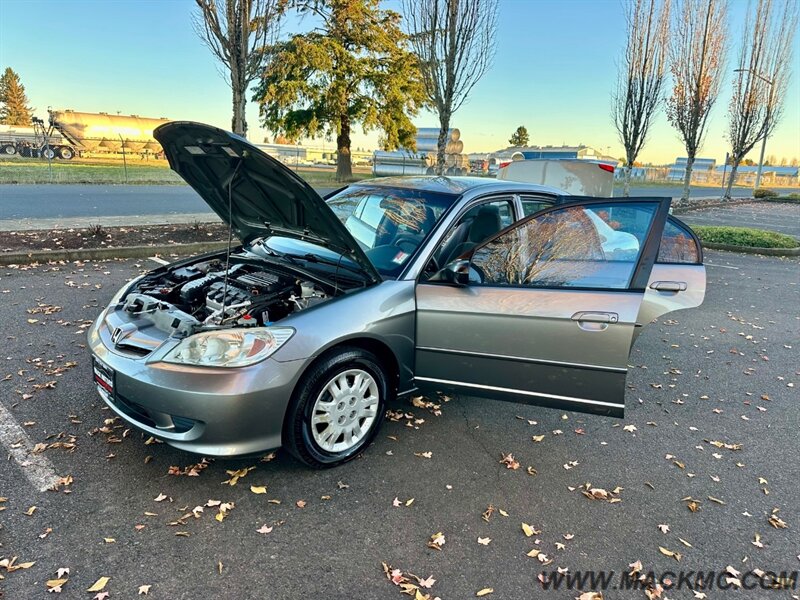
x=454 y=43
x=642 y=73
x=697 y=59
x=237 y=32
x=762 y=75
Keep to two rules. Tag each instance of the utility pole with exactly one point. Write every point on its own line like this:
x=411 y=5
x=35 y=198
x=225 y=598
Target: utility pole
x=766 y=125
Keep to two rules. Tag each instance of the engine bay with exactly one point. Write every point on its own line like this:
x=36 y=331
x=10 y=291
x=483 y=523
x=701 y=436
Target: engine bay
x=249 y=293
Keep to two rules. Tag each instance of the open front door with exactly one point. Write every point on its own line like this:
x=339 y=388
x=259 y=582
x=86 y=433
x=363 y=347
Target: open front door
x=545 y=312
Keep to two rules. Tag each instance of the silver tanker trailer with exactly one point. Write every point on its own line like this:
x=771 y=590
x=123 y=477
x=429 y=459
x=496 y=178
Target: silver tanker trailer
x=69 y=132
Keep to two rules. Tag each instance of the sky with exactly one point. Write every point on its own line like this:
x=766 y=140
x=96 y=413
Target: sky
x=555 y=66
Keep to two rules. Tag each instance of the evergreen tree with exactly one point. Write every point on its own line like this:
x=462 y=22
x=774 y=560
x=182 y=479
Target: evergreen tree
x=14 y=109
x=355 y=67
x=519 y=137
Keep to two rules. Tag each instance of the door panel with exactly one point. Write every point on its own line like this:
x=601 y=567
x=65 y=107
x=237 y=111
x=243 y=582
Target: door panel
x=551 y=309
x=523 y=344
x=660 y=302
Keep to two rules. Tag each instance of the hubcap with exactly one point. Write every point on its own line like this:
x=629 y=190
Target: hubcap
x=345 y=410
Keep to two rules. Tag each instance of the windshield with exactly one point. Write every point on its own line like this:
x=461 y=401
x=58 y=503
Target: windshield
x=389 y=224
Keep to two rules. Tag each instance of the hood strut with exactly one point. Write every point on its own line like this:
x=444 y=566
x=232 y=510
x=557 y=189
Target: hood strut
x=230 y=236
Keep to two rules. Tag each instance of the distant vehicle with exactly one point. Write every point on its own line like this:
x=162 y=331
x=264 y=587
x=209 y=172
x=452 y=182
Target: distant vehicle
x=575 y=176
x=67 y=133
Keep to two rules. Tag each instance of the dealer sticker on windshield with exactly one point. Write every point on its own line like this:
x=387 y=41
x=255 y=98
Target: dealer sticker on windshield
x=400 y=258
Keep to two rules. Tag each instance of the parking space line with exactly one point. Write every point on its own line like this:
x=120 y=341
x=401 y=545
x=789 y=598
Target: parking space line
x=38 y=469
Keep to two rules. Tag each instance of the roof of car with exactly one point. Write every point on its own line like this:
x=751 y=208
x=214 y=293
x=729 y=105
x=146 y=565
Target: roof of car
x=454 y=185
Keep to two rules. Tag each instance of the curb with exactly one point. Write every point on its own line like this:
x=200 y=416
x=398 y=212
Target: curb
x=44 y=256
x=751 y=249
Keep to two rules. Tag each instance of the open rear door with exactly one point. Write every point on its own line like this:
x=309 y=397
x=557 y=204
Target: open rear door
x=545 y=312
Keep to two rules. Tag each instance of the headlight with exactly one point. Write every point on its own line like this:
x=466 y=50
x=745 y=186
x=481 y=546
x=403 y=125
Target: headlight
x=229 y=347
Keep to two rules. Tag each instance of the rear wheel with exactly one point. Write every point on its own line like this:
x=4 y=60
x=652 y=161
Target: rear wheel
x=48 y=153
x=65 y=152
x=9 y=150
x=337 y=408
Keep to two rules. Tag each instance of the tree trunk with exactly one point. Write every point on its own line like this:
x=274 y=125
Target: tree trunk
x=238 y=123
x=687 y=179
x=731 y=178
x=344 y=167
x=626 y=180
x=441 y=145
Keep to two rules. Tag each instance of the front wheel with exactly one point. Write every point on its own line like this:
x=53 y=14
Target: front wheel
x=337 y=408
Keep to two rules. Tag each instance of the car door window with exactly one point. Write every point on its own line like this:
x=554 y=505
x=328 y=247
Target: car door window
x=475 y=226
x=678 y=244
x=594 y=246
x=532 y=205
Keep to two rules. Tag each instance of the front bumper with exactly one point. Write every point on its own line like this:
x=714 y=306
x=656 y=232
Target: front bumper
x=210 y=411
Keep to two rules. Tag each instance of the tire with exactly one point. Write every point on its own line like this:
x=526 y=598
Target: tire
x=317 y=427
x=65 y=153
x=9 y=150
x=48 y=153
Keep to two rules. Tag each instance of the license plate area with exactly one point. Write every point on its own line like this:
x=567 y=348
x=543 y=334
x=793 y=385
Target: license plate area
x=104 y=379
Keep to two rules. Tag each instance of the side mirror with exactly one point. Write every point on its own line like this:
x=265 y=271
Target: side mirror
x=456 y=272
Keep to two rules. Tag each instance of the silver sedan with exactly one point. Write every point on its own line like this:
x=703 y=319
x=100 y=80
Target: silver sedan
x=323 y=311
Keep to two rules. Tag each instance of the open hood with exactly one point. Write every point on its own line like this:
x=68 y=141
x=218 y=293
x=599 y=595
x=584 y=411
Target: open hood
x=266 y=198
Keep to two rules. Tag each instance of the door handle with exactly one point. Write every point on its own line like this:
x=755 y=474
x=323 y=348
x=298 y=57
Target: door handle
x=668 y=286
x=595 y=317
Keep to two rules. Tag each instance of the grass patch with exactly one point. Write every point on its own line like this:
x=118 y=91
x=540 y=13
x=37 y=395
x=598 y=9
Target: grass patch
x=744 y=236
x=112 y=171
x=32 y=170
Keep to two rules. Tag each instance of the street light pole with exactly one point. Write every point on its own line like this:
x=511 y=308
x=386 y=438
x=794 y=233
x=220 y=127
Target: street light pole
x=766 y=123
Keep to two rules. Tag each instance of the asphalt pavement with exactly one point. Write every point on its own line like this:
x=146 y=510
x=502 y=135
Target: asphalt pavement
x=702 y=383
x=77 y=203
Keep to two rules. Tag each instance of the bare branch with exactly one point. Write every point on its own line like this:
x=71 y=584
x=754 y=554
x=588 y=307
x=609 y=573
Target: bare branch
x=238 y=33
x=454 y=43
x=642 y=73
x=762 y=74
x=697 y=59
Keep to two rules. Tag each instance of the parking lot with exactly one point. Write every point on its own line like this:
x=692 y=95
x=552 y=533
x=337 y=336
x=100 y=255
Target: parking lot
x=705 y=465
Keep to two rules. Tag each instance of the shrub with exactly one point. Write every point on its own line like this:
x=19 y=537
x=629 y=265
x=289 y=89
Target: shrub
x=764 y=193
x=96 y=230
x=745 y=236
x=793 y=198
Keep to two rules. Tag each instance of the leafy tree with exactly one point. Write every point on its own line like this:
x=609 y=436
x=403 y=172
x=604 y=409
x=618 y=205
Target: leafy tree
x=14 y=109
x=353 y=68
x=519 y=137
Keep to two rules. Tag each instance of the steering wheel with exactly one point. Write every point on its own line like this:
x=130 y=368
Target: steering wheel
x=410 y=243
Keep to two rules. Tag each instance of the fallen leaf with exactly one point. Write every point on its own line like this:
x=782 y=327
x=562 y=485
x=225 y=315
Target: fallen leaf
x=258 y=489
x=437 y=541
x=301 y=503
x=264 y=529
x=160 y=497
x=670 y=553
x=484 y=541
x=664 y=528
x=98 y=585
x=143 y=590
x=484 y=592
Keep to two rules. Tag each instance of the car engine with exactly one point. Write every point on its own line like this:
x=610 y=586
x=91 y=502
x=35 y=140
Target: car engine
x=251 y=295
